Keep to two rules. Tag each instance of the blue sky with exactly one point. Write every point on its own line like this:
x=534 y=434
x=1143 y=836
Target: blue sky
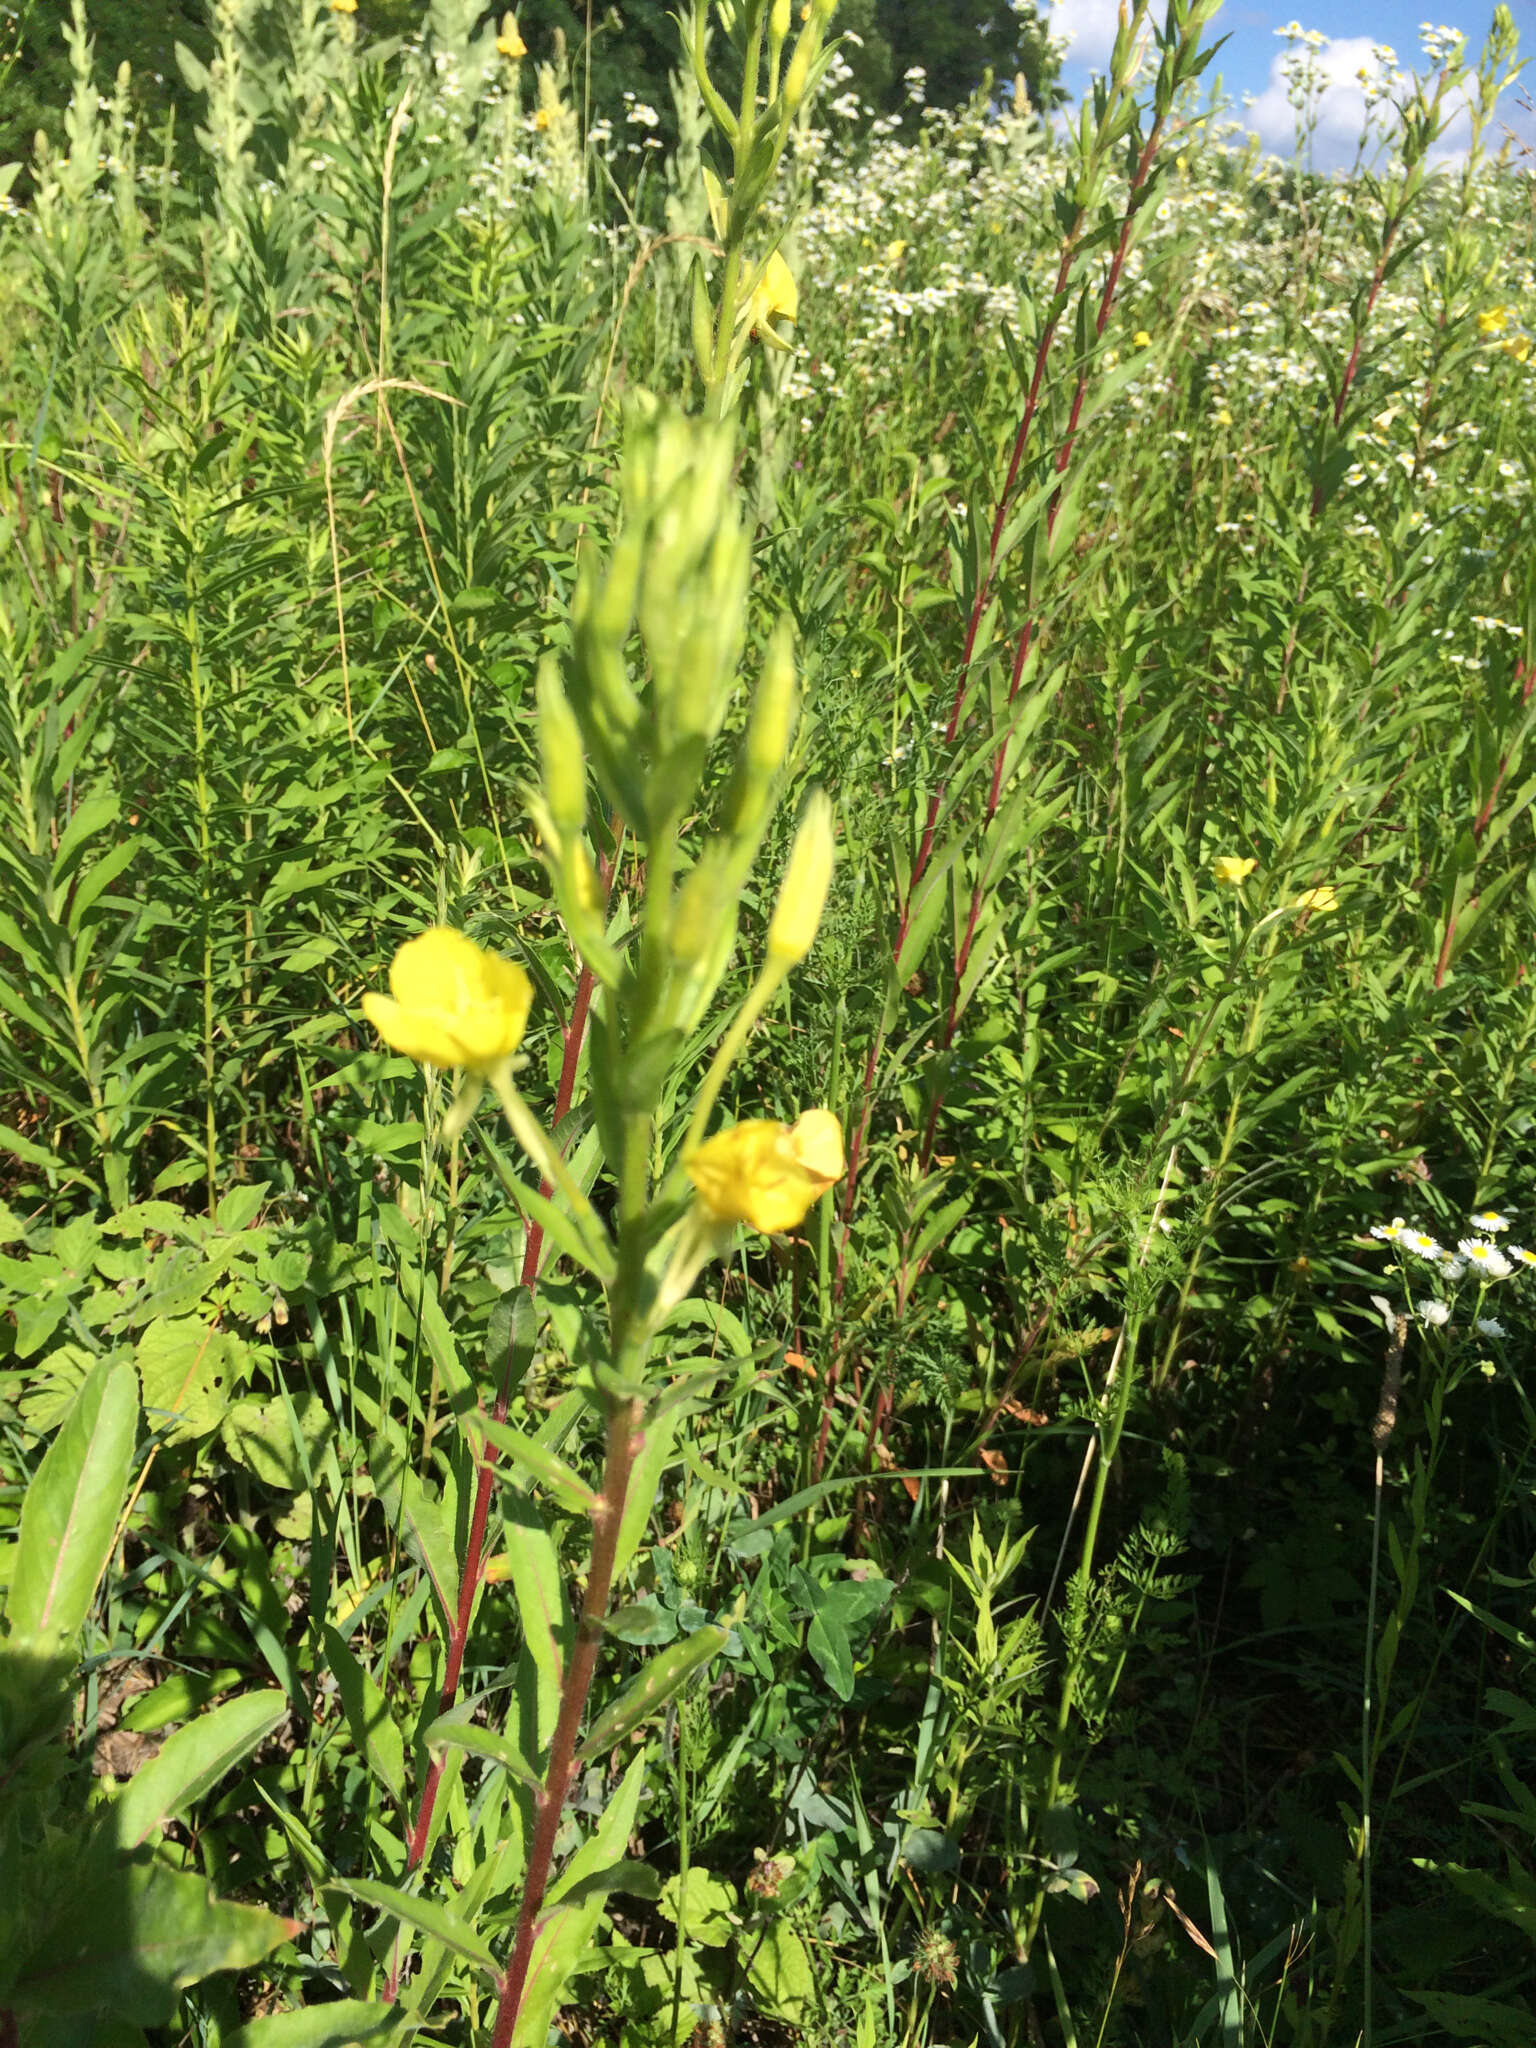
x=1250 y=60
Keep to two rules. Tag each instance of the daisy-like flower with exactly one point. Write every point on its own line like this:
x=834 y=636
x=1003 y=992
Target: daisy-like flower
x=1452 y=1268
x=1485 y=1258
x=1421 y=1245
x=1488 y=1222
x=1490 y=1326
x=1521 y=1256
x=1392 y=1231
x=1434 y=1313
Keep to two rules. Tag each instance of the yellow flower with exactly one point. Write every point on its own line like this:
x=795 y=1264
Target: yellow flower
x=1324 y=898
x=766 y=1173
x=1518 y=346
x=343 y=6
x=1494 y=321
x=512 y=46
x=1232 y=869
x=776 y=296
x=1141 y=338
x=451 y=1003
x=541 y=119
x=1223 y=418
x=894 y=251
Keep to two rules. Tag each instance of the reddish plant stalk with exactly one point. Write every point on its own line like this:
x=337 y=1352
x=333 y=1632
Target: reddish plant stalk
x=607 y=1517
x=474 y=1552
x=1144 y=164
x=1352 y=366
x=1525 y=679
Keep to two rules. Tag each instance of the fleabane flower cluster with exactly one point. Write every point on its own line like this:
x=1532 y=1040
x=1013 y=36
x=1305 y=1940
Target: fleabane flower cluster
x=1476 y=1254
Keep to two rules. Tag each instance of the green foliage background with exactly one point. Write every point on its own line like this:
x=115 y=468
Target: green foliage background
x=1072 y=1625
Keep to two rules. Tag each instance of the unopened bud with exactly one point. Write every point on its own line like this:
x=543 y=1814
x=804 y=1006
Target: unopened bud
x=560 y=752
x=803 y=892
x=775 y=703
x=778 y=24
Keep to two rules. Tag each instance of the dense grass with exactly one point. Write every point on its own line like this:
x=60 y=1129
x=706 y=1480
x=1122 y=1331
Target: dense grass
x=1128 y=1583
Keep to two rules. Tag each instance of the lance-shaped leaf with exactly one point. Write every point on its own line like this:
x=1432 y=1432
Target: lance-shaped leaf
x=193 y=1760
x=469 y=1736
x=368 y=1716
x=422 y=1523
x=534 y=1461
x=429 y=1919
x=336 y=2025
x=650 y=1690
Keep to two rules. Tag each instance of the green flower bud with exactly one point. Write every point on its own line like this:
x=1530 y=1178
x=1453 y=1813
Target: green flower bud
x=803 y=892
x=560 y=753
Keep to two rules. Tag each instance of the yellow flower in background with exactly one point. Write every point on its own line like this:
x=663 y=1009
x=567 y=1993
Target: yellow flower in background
x=776 y=296
x=1518 y=346
x=541 y=120
x=343 y=6
x=1494 y=321
x=451 y=1003
x=1324 y=898
x=1223 y=418
x=894 y=251
x=1232 y=869
x=766 y=1173
x=511 y=45
x=1141 y=338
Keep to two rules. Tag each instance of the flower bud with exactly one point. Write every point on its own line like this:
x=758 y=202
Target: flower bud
x=803 y=892
x=560 y=752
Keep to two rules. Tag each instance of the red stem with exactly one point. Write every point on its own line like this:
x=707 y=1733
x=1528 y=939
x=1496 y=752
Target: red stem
x=623 y=1443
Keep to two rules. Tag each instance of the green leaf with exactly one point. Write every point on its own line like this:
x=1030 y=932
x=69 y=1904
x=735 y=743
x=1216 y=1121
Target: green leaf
x=780 y=1975
x=190 y=1372
x=541 y=1603
x=70 y=1512
x=437 y=1922
x=193 y=1760
x=655 y=1684
x=336 y=2025
x=422 y=1523
x=368 y=1716
x=535 y=1459
x=136 y=1939
x=469 y=1736
x=705 y=1909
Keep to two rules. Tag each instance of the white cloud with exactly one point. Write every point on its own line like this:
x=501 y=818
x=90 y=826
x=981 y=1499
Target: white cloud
x=1086 y=27
x=1341 y=111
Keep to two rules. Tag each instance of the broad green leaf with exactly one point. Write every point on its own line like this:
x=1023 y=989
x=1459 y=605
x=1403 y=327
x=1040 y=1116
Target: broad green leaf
x=71 y=1509
x=653 y=1686
x=190 y=1372
x=193 y=1760
x=139 y=1937
x=780 y=1975
x=705 y=1908
x=535 y=1573
x=373 y=1727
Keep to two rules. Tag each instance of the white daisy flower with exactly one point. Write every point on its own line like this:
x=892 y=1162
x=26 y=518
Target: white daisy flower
x=1434 y=1313
x=1485 y=1258
x=1423 y=1246
x=1521 y=1256
x=1490 y=1326
x=1489 y=1222
x=1392 y=1231
x=1452 y=1268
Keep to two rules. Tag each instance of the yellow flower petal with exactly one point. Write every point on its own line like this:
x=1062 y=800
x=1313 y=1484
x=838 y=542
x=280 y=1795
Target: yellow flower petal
x=768 y=1174
x=1324 y=898
x=1232 y=869
x=451 y=1003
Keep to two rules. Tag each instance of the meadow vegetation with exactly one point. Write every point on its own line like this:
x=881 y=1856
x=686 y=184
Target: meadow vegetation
x=766 y=1053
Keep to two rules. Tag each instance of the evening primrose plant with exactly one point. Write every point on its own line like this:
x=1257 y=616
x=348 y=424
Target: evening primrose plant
x=663 y=1195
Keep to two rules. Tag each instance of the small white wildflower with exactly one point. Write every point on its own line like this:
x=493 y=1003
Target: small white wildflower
x=1485 y=1258
x=1434 y=1313
x=1522 y=1257
x=1488 y=1222
x=1452 y=1268
x=1390 y=1231
x=1490 y=1326
x=1422 y=1246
